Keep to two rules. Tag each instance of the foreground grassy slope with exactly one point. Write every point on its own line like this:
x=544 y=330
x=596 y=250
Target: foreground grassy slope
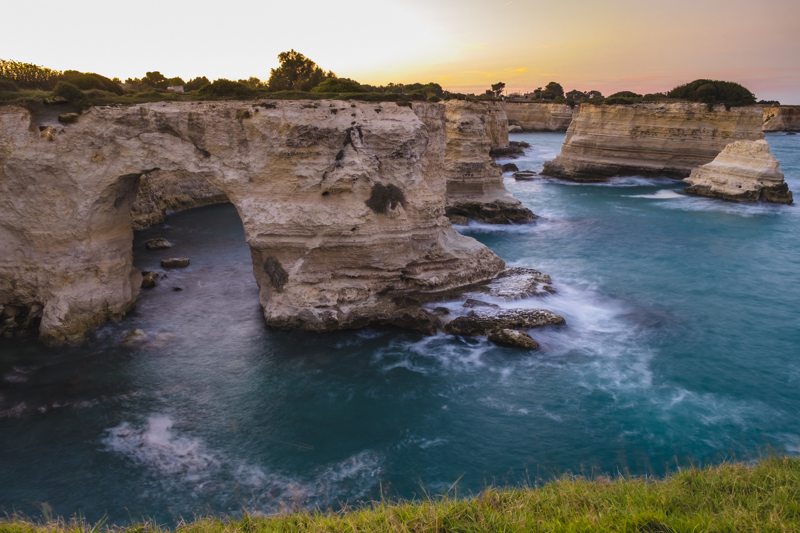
x=730 y=497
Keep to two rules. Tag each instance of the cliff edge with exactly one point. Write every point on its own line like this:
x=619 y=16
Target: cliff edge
x=342 y=205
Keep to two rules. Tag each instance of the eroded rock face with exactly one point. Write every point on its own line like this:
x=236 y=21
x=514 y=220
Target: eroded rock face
x=538 y=116
x=342 y=207
x=649 y=139
x=161 y=192
x=745 y=171
x=782 y=118
x=475 y=187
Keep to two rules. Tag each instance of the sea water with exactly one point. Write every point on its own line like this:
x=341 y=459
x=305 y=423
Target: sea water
x=682 y=347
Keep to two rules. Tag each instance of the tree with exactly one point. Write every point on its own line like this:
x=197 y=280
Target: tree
x=714 y=92
x=296 y=72
x=553 y=90
x=338 y=85
x=196 y=83
x=498 y=88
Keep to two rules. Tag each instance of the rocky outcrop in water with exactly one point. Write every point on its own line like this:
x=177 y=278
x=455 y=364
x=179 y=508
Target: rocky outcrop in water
x=475 y=187
x=745 y=171
x=533 y=116
x=649 y=139
x=342 y=205
x=782 y=118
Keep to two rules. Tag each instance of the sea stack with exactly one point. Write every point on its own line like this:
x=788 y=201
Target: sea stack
x=664 y=139
x=745 y=171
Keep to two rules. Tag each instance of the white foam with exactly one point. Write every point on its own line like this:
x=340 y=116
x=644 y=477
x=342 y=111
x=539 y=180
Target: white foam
x=177 y=458
x=663 y=194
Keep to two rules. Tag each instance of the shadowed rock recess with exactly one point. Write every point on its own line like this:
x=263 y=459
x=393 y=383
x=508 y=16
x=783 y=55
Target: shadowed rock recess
x=475 y=187
x=649 y=139
x=342 y=205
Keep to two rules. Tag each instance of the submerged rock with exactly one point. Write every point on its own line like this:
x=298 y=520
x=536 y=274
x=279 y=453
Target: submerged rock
x=525 y=175
x=175 y=262
x=472 y=303
x=745 y=171
x=509 y=167
x=158 y=243
x=513 y=338
x=514 y=149
x=520 y=282
x=487 y=321
x=149 y=279
x=494 y=212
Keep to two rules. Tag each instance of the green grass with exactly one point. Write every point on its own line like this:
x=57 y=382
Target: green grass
x=729 y=497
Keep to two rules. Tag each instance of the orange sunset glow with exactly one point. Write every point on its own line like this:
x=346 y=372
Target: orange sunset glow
x=463 y=45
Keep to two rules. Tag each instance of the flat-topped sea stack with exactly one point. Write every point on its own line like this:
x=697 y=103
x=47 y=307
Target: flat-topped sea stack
x=782 y=118
x=667 y=139
x=745 y=171
x=342 y=206
x=475 y=187
x=537 y=116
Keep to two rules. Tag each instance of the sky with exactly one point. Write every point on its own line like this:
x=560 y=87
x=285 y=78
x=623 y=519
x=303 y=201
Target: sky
x=465 y=45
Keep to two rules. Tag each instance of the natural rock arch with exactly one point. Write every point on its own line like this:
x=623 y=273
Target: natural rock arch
x=300 y=175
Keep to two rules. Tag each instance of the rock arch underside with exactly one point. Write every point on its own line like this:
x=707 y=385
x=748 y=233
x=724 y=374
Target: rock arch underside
x=342 y=204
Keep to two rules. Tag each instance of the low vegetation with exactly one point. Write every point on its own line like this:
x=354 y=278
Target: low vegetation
x=729 y=497
x=298 y=77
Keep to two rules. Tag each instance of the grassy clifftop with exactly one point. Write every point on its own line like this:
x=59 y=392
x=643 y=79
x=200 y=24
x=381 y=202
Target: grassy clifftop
x=730 y=497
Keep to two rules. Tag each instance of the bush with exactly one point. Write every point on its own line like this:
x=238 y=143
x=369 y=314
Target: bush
x=8 y=86
x=196 y=84
x=69 y=92
x=714 y=92
x=338 y=85
x=223 y=88
x=89 y=80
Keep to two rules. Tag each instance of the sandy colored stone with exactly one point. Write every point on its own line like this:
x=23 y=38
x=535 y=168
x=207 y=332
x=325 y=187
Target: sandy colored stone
x=745 y=171
x=300 y=175
x=782 y=118
x=649 y=139
x=475 y=187
x=537 y=116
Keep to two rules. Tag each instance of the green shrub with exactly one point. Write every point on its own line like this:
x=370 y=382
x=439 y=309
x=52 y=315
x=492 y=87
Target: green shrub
x=8 y=86
x=89 y=80
x=714 y=92
x=338 y=85
x=223 y=88
x=196 y=84
x=69 y=92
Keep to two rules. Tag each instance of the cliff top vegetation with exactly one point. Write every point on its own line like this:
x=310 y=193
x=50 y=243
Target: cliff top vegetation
x=729 y=497
x=296 y=77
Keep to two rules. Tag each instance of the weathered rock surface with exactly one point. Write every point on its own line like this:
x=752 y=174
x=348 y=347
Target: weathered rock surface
x=158 y=243
x=519 y=282
x=149 y=279
x=175 y=262
x=782 y=118
x=745 y=171
x=161 y=192
x=475 y=187
x=487 y=320
x=342 y=206
x=532 y=116
x=513 y=338
x=524 y=175
x=649 y=139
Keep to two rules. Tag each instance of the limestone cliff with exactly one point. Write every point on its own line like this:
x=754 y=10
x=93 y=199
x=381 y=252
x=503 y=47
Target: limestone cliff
x=534 y=116
x=782 y=118
x=161 y=192
x=649 y=139
x=745 y=171
x=475 y=187
x=342 y=205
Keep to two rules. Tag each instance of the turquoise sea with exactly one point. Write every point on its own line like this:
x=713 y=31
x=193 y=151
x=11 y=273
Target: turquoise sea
x=682 y=347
